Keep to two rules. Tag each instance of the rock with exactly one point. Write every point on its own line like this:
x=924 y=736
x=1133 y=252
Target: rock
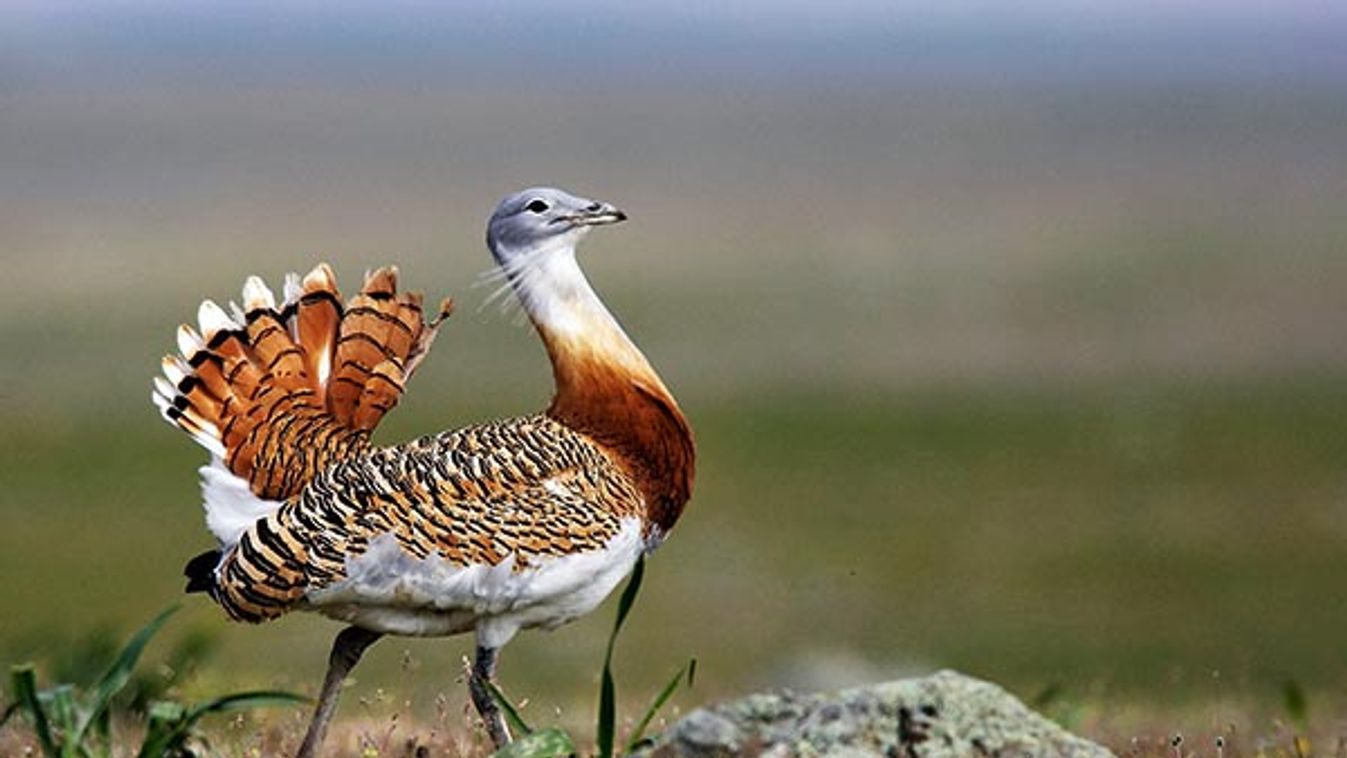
x=947 y=715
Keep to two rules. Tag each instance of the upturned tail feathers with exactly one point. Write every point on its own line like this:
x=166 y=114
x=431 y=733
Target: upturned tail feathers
x=277 y=393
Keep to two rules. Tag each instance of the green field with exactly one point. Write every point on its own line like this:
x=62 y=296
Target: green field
x=1126 y=536
x=1043 y=379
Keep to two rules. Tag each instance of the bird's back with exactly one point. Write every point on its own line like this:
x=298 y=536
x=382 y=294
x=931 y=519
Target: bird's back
x=509 y=518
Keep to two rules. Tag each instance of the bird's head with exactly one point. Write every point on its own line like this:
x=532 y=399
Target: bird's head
x=541 y=220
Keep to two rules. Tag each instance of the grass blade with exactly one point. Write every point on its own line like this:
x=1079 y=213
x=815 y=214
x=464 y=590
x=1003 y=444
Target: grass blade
x=607 y=714
x=658 y=703
x=119 y=673
x=24 y=681
x=511 y=713
x=545 y=743
x=161 y=727
x=604 y=733
x=63 y=715
x=1297 y=707
x=170 y=722
x=628 y=598
x=240 y=701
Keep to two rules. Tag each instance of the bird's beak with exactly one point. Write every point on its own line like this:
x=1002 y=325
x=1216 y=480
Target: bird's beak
x=598 y=215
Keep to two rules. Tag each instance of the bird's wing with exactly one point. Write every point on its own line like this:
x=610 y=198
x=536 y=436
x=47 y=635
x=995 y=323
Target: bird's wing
x=279 y=392
x=512 y=496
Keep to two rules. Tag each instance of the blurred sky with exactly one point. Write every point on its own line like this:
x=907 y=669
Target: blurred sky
x=549 y=44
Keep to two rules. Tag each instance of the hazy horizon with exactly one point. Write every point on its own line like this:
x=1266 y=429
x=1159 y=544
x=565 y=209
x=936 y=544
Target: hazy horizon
x=794 y=45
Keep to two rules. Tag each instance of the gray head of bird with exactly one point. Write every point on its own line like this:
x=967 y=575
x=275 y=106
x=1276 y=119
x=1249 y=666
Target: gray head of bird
x=543 y=220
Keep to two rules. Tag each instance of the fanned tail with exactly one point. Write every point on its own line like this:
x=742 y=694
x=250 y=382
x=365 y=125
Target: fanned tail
x=277 y=393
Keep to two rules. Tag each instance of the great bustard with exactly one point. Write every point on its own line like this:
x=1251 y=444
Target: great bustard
x=521 y=523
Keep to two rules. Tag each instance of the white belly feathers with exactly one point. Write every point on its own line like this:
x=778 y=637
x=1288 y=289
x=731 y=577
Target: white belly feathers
x=387 y=590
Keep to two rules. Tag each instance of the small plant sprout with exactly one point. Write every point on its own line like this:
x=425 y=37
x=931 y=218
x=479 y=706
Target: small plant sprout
x=71 y=722
x=1296 y=704
x=607 y=717
x=1176 y=744
x=554 y=742
x=1220 y=746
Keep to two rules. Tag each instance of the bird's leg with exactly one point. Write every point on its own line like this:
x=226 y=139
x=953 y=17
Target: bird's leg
x=350 y=644
x=483 y=671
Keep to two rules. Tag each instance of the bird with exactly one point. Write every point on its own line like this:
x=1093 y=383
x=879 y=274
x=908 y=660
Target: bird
x=520 y=523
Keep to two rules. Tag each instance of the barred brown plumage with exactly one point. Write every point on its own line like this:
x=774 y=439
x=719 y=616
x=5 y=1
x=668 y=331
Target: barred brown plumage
x=534 y=488
x=257 y=388
x=513 y=524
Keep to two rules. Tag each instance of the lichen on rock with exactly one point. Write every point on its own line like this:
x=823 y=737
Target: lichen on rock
x=947 y=715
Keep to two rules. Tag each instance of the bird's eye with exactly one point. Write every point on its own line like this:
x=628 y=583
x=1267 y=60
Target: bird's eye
x=537 y=206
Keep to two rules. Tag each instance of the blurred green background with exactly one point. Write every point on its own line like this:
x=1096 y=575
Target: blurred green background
x=1013 y=340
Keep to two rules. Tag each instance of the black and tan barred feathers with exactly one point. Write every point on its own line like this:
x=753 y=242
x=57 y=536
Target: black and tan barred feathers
x=280 y=393
x=519 y=489
x=286 y=398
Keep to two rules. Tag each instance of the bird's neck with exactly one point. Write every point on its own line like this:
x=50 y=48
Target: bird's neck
x=605 y=387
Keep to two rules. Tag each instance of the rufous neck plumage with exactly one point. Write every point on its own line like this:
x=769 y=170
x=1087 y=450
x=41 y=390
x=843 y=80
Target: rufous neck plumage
x=605 y=387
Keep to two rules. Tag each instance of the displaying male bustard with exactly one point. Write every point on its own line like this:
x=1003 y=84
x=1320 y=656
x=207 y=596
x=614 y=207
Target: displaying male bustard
x=521 y=523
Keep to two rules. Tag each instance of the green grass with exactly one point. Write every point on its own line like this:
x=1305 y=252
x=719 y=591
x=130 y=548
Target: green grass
x=75 y=720
x=1135 y=536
